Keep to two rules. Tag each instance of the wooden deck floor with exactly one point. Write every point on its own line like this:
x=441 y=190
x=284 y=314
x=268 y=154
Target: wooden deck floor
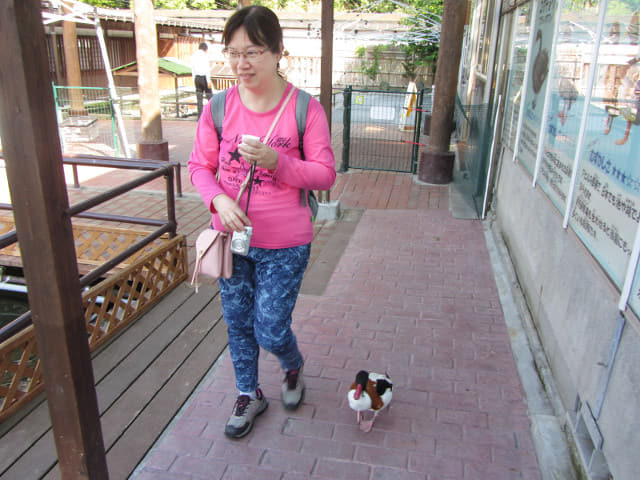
x=142 y=379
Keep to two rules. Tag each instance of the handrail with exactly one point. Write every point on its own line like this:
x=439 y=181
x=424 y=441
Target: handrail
x=156 y=169
x=123 y=163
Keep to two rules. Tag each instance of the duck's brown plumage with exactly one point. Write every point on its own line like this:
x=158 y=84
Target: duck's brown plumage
x=376 y=400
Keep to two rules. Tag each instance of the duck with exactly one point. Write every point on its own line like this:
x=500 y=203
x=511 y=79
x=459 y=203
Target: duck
x=370 y=392
x=540 y=68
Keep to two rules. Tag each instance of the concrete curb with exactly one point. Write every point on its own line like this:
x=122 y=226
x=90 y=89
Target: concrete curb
x=328 y=211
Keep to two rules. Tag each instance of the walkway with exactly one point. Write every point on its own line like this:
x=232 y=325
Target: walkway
x=412 y=293
x=398 y=285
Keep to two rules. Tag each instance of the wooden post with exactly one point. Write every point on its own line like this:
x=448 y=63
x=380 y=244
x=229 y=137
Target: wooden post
x=53 y=38
x=326 y=69
x=436 y=163
x=72 y=64
x=41 y=209
x=151 y=144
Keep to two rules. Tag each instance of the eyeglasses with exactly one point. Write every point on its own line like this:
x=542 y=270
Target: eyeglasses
x=251 y=55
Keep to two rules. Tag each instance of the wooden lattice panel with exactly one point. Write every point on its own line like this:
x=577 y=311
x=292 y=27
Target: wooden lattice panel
x=20 y=370
x=95 y=244
x=110 y=306
x=131 y=291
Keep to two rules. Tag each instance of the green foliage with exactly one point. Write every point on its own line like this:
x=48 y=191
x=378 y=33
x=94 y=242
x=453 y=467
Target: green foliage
x=419 y=55
x=615 y=7
x=421 y=52
x=374 y=6
x=622 y=7
x=371 y=68
x=109 y=3
x=169 y=4
x=187 y=4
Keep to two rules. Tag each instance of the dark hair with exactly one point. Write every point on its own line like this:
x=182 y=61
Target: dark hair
x=261 y=24
x=203 y=46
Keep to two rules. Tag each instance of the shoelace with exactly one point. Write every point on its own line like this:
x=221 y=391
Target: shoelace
x=242 y=403
x=292 y=379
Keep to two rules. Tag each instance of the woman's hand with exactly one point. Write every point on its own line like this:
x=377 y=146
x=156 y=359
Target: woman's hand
x=254 y=151
x=231 y=215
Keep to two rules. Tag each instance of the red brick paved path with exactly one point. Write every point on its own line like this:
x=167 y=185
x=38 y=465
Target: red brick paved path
x=412 y=294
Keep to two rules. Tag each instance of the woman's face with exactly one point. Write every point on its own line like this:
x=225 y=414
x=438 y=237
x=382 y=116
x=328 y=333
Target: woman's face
x=254 y=65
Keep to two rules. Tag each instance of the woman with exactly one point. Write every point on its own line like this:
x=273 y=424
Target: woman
x=258 y=299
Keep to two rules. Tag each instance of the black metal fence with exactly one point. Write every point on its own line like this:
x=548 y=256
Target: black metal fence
x=382 y=128
x=474 y=123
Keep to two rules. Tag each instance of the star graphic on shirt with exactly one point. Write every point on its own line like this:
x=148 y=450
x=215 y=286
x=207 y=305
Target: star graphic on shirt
x=234 y=155
x=258 y=181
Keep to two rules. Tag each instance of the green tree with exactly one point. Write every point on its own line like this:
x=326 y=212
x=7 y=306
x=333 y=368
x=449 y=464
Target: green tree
x=109 y=3
x=420 y=46
x=370 y=66
x=169 y=4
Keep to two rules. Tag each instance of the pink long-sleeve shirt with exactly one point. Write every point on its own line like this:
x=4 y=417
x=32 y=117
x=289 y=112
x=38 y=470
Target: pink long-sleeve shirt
x=277 y=214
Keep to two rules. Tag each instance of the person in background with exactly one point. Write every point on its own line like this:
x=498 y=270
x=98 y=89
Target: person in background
x=259 y=298
x=200 y=71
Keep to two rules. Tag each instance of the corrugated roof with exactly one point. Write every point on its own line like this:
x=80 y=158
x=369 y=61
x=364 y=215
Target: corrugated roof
x=166 y=66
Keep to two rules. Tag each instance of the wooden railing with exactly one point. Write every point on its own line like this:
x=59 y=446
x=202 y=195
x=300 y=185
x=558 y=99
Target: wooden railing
x=127 y=271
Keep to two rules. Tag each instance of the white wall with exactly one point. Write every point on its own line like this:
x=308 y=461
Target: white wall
x=574 y=307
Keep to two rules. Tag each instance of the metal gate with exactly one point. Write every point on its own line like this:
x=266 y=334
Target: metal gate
x=382 y=129
x=86 y=116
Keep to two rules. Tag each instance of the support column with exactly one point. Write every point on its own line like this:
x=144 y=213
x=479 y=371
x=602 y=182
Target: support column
x=72 y=64
x=41 y=209
x=151 y=144
x=326 y=71
x=436 y=162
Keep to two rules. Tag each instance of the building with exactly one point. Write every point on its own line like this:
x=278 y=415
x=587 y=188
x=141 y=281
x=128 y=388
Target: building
x=181 y=31
x=553 y=89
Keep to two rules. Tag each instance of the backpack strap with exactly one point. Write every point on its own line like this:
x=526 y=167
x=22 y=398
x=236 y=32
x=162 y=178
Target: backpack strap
x=302 y=105
x=217 y=111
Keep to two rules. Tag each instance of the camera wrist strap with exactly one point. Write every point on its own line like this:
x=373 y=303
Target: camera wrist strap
x=251 y=172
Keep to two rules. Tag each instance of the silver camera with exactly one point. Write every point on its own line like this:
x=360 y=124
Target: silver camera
x=240 y=241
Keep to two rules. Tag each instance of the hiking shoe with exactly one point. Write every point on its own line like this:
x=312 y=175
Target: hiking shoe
x=292 y=389
x=244 y=413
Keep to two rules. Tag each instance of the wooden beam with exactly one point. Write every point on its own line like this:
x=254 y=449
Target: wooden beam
x=41 y=209
x=72 y=64
x=151 y=144
x=326 y=69
x=326 y=59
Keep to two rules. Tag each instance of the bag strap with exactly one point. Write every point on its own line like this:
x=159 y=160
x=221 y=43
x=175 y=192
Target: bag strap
x=266 y=139
x=279 y=114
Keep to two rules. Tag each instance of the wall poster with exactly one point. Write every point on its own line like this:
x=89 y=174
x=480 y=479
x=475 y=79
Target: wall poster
x=534 y=95
x=517 y=63
x=606 y=211
x=569 y=84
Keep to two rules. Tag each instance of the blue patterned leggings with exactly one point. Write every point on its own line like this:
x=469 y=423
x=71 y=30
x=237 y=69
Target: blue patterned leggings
x=257 y=303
